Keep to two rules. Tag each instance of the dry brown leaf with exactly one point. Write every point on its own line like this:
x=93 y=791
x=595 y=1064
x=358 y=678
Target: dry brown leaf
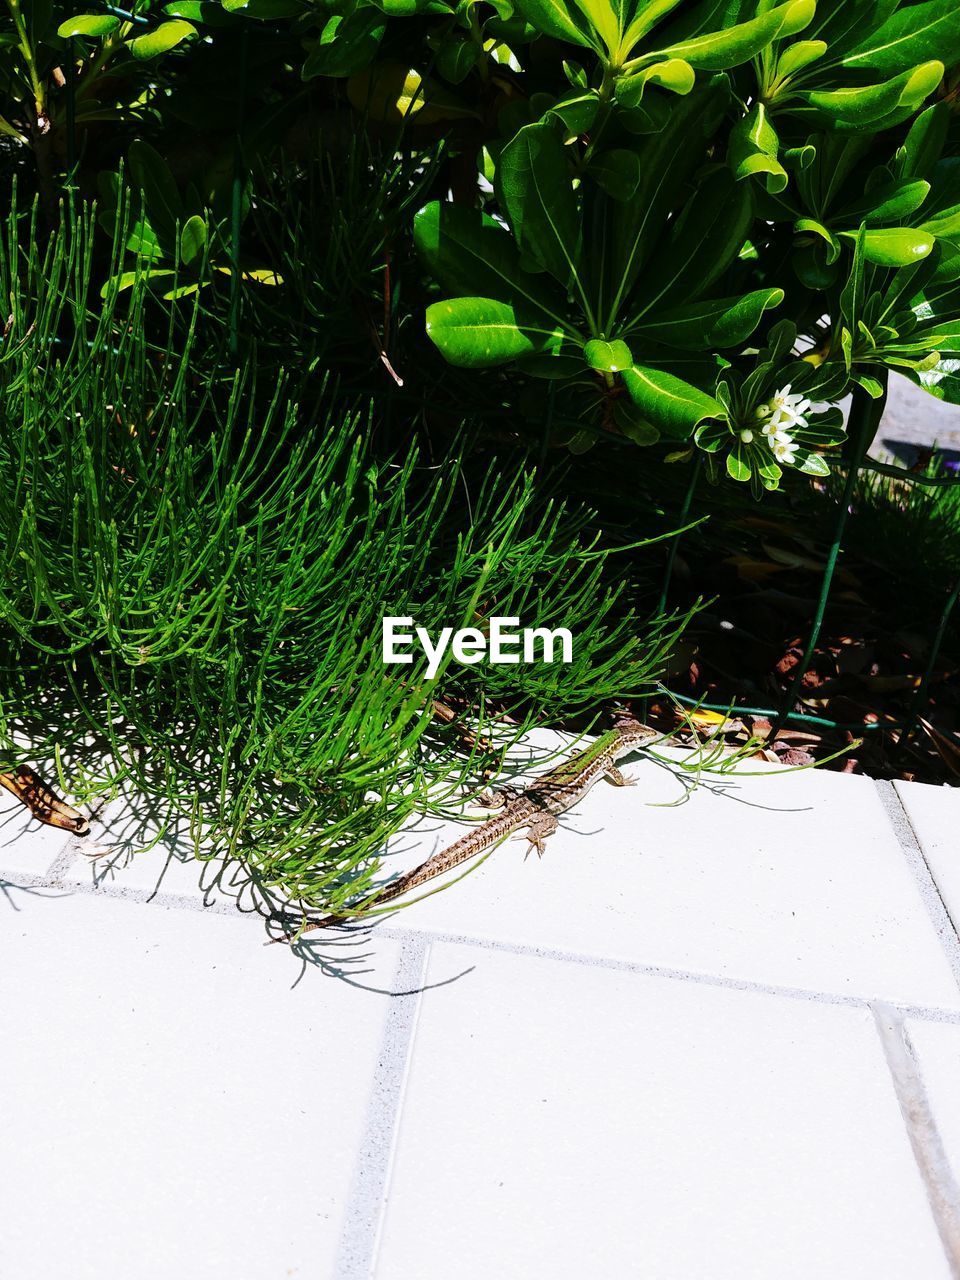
x=948 y=748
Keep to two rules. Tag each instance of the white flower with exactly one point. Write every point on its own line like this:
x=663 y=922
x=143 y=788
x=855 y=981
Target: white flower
x=784 y=450
x=783 y=411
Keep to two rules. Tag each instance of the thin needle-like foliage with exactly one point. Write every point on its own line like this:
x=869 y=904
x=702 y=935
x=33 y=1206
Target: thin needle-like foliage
x=197 y=567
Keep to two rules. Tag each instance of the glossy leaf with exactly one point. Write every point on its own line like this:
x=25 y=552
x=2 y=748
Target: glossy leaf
x=895 y=246
x=914 y=34
x=674 y=74
x=720 y=322
x=924 y=142
x=345 y=44
x=562 y=21
x=470 y=254
x=802 y=53
x=754 y=148
x=193 y=238
x=166 y=37
x=577 y=112
x=619 y=172
x=721 y=50
x=608 y=357
x=876 y=103
x=150 y=176
x=668 y=160
x=88 y=24
x=538 y=198
x=265 y=9
x=479 y=333
x=891 y=203
x=703 y=241
x=673 y=406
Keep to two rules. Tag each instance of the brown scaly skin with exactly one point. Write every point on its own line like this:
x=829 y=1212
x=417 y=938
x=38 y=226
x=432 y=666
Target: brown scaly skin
x=536 y=807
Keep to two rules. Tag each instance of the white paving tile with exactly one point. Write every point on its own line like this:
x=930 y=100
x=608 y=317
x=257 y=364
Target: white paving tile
x=27 y=847
x=135 y=846
x=934 y=814
x=937 y=1047
x=791 y=878
x=174 y=1102
x=564 y=1120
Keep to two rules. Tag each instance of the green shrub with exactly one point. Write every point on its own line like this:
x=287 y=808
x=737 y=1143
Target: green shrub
x=195 y=576
x=702 y=221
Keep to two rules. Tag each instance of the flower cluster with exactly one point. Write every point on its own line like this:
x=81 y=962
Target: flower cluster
x=777 y=418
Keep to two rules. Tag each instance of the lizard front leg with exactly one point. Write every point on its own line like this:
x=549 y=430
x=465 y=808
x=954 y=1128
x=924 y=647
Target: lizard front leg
x=543 y=825
x=618 y=779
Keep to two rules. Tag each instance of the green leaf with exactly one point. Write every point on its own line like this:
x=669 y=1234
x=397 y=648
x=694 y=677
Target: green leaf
x=163 y=207
x=674 y=74
x=633 y=424
x=127 y=279
x=670 y=404
x=478 y=333
x=648 y=14
x=812 y=464
x=711 y=437
x=924 y=143
x=576 y=112
x=456 y=59
x=894 y=246
x=346 y=44
x=166 y=37
x=575 y=74
x=537 y=195
x=718 y=322
x=738 y=463
x=265 y=9
x=803 y=53
x=722 y=50
x=193 y=238
x=472 y=255
x=562 y=21
x=876 y=103
x=942 y=381
x=754 y=147
x=890 y=203
x=88 y=24
x=395 y=93
x=668 y=160
x=618 y=172
x=608 y=357
x=703 y=241
x=810 y=226
x=914 y=34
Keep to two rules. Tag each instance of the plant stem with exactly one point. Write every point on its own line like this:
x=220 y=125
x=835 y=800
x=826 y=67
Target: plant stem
x=865 y=415
x=695 y=473
x=36 y=84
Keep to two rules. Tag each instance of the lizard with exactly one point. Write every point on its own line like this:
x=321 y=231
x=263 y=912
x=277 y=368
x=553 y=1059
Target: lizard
x=45 y=805
x=535 y=807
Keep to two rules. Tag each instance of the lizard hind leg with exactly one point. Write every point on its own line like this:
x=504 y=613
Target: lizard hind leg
x=618 y=779
x=499 y=797
x=539 y=828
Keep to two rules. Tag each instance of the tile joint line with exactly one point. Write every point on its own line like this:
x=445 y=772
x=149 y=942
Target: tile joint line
x=165 y=901
x=929 y=890
x=933 y=1164
x=367 y=1199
